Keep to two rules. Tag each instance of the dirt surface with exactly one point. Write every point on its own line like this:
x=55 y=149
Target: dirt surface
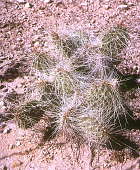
x=25 y=26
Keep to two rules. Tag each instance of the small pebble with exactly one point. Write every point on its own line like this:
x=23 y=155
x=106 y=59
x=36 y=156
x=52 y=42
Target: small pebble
x=138 y=80
x=1 y=104
x=107 y=6
x=84 y=4
x=11 y=146
x=7 y=130
x=4 y=167
x=5 y=90
x=123 y=7
x=47 y=1
x=2 y=126
x=18 y=143
x=28 y=5
x=36 y=44
x=46 y=44
x=21 y=1
x=17 y=164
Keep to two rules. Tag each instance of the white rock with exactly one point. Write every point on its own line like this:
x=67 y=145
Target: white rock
x=11 y=146
x=46 y=44
x=84 y=4
x=138 y=80
x=3 y=167
x=36 y=44
x=47 y=1
x=2 y=125
x=2 y=107
x=18 y=143
x=21 y=1
x=28 y=5
x=123 y=7
x=107 y=6
x=1 y=104
x=6 y=131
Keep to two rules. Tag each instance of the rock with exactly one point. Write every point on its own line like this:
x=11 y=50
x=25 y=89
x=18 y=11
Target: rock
x=7 y=130
x=1 y=104
x=2 y=126
x=5 y=90
x=107 y=7
x=47 y=1
x=123 y=7
x=21 y=1
x=11 y=146
x=84 y=4
x=4 y=167
x=28 y=5
x=18 y=143
x=16 y=164
x=46 y=44
x=36 y=44
x=138 y=81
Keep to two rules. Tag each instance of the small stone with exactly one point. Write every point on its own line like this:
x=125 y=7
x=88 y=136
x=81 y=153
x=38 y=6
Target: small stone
x=4 y=167
x=107 y=6
x=6 y=131
x=2 y=125
x=5 y=90
x=138 y=80
x=18 y=143
x=36 y=44
x=21 y=1
x=28 y=5
x=2 y=128
x=1 y=104
x=123 y=7
x=11 y=146
x=84 y=4
x=46 y=44
x=17 y=164
x=47 y=1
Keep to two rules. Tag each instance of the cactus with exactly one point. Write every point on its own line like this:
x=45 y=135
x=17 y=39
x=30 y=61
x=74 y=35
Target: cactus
x=80 y=91
x=114 y=41
x=69 y=44
x=105 y=96
x=64 y=84
x=29 y=114
x=43 y=62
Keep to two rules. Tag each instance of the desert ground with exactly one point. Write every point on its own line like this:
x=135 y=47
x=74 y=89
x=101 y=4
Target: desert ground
x=25 y=26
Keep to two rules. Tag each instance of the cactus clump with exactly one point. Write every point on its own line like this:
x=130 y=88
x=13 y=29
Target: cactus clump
x=80 y=90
